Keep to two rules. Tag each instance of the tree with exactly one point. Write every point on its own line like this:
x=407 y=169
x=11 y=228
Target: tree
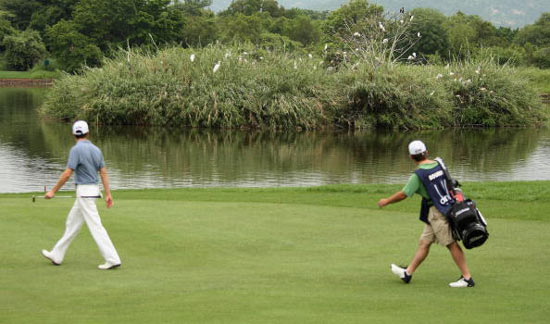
x=251 y=7
x=433 y=36
x=537 y=34
x=541 y=58
x=50 y=12
x=5 y=28
x=21 y=11
x=355 y=15
x=192 y=7
x=23 y=49
x=72 y=48
x=240 y=27
x=199 y=31
x=303 y=30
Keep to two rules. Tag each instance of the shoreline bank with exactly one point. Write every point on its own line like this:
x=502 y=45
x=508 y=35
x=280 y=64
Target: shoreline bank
x=26 y=83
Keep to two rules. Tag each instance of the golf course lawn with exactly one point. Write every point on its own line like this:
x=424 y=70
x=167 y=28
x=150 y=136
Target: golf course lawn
x=283 y=255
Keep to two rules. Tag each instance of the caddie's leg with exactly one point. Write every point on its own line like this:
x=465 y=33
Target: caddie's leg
x=460 y=259
x=91 y=216
x=72 y=228
x=421 y=254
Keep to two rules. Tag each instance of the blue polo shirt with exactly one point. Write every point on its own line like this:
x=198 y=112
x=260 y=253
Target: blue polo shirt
x=86 y=160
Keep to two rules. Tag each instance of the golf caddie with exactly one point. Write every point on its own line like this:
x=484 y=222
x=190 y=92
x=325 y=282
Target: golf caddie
x=429 y=181
x=86 y=161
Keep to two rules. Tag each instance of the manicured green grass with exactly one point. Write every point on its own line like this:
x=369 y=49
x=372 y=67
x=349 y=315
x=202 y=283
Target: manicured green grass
x=302 y=255
x=29 y=74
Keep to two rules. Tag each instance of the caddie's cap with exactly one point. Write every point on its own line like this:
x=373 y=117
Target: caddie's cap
x=80 y=127
x=416 y=147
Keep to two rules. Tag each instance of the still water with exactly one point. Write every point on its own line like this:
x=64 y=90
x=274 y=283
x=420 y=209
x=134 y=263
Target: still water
x=33 y=153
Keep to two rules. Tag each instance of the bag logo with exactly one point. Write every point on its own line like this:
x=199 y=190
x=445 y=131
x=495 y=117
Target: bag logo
x=435 y=175
x=462 y=211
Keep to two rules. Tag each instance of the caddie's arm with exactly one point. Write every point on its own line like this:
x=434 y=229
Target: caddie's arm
x=105 y=180
x=396 y=197
x=62 y=180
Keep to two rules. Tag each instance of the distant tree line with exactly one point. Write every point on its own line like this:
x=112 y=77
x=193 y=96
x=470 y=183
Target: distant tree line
x=70 y=34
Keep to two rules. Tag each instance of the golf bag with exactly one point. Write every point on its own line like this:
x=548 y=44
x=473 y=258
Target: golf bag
x=466 y=221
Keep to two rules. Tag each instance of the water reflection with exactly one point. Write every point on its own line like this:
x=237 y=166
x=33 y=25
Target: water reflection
x=33 y=153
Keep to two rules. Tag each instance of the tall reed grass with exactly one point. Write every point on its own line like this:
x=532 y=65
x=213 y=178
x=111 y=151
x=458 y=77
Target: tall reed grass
x=243 y=87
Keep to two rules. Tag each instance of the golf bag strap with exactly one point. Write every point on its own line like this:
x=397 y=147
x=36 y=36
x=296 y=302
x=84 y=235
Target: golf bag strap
x=448 y=178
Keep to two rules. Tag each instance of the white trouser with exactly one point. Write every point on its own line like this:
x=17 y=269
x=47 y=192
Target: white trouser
x=85 y=210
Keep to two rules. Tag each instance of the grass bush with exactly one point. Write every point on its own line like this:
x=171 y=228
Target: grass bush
x=487 y=94
x=221 y=87
x=400 y=96
x=254 y=88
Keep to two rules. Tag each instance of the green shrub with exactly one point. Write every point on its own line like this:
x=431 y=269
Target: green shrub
x=489 y=95
x=23 y=50
x=257 y=88
x=399 y=96
x=271 y=91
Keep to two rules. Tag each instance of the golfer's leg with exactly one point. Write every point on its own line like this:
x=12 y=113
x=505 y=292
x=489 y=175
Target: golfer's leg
x=460 y=259
x=72 y=228
x=421 y=254
x=91 y=216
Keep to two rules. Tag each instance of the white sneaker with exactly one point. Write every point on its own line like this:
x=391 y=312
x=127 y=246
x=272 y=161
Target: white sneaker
x=401 y=273
x=48 y=255
x=463 y=283
x=108 y=265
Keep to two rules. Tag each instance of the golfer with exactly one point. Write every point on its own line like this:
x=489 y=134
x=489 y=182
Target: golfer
x=85 y=160
x=429 y=182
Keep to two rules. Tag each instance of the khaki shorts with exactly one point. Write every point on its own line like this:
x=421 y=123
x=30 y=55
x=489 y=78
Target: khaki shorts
x=438 y=230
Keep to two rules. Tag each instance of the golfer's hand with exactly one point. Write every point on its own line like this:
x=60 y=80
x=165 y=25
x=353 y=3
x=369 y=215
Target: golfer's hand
x=49 y=195
x=382 y=203
x=109 y=201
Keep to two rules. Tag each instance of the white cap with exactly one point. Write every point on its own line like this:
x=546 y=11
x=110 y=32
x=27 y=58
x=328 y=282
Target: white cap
x=416 y=147
x=80 y=127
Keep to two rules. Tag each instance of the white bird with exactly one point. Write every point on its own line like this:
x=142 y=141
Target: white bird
x=385 y=41
x=310 y=56
x=410 y=58
x=216 y=67
x=356 y=34
x=192 y=57
x=381 y=27
x=418 y=35
x=451 y=73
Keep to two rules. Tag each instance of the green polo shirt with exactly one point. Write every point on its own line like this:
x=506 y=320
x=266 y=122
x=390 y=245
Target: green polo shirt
x=415 y=185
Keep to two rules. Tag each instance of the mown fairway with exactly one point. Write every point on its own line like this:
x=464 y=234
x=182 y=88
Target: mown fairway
x=317 y=255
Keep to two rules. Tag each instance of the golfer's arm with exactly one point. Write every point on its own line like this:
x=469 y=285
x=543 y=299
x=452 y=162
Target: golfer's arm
x=63 y=179
x=105 y=180
x=396 y=197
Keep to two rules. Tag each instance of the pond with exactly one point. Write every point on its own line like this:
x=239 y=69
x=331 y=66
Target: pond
x=33 y=153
